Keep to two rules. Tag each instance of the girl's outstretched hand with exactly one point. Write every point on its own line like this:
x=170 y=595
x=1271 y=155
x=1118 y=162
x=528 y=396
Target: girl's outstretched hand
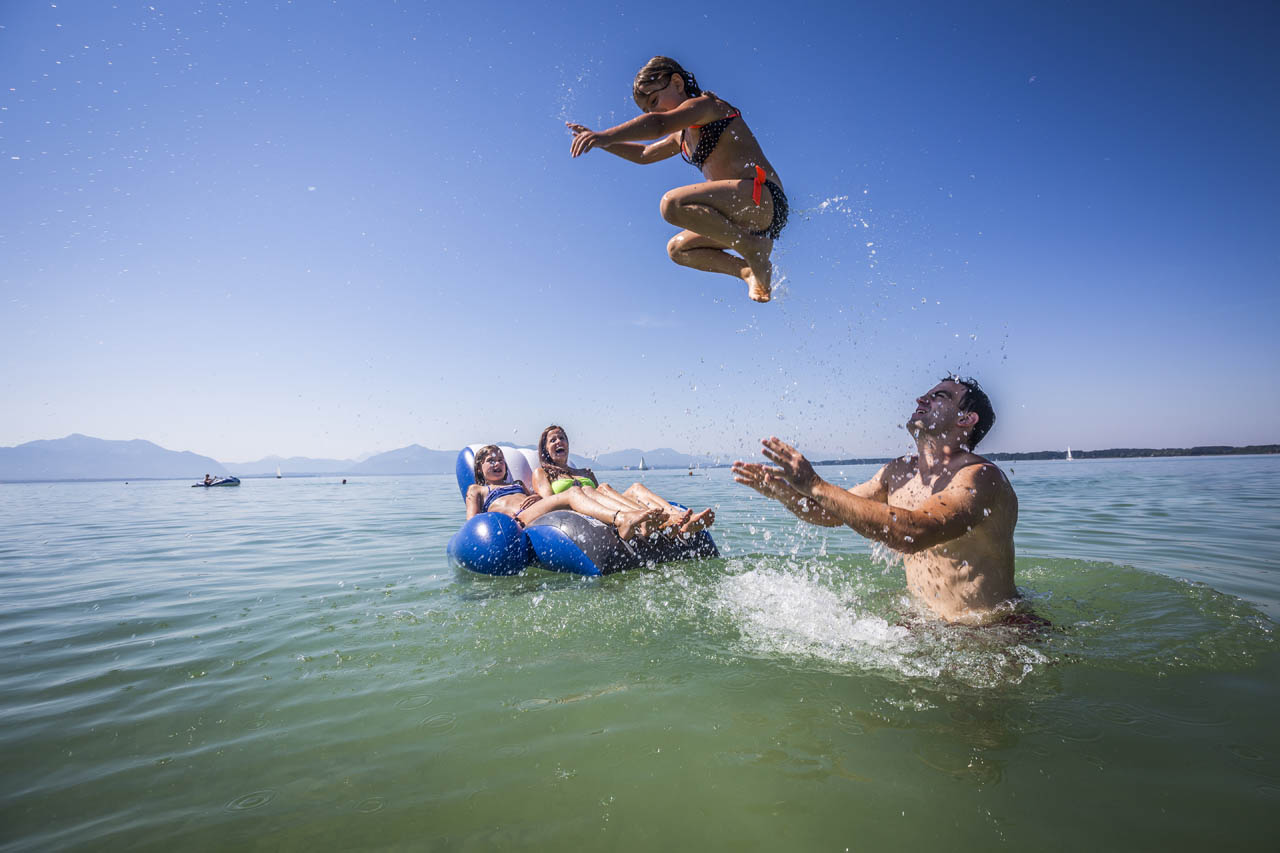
x=584 y=139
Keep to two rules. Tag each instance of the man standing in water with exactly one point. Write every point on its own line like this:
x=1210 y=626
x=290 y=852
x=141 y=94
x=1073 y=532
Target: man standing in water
x=950 y=512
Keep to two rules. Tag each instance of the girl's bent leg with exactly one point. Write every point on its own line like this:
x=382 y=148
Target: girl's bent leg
x=689 y=249
x=723 y=212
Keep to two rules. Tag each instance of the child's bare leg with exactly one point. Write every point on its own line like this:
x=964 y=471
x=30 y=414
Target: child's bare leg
x=545 y=506
x=610 y=497
x=723 y=211
x=669 y=517
x=643 y=494
x=628 y=522
x=702 y=253
x=686 y=520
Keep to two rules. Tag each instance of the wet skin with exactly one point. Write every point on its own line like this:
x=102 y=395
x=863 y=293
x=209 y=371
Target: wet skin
x=948 y=511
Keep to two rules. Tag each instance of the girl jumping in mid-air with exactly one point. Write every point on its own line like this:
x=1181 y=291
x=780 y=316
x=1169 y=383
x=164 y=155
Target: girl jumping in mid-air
x=731 y=209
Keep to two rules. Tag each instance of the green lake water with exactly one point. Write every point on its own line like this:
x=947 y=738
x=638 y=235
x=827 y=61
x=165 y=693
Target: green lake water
x=293 y=665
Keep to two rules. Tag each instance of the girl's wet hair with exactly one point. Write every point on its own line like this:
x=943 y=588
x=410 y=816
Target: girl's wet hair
x=657 y=72
x=481 y=455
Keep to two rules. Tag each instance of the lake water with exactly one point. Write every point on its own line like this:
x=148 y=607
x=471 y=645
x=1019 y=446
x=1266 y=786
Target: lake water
x=292 y=665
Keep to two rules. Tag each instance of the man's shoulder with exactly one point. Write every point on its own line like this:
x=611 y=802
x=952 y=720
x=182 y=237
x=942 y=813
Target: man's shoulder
x=984 y=477
x=988 y=468
x=910 y=463
x=975 y=467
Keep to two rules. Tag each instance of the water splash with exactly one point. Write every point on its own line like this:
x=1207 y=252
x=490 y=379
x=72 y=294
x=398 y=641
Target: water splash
x=810 y=615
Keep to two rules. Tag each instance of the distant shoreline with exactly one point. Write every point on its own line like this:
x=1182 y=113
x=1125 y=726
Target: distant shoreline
x=1032 y=456
x=1112 y=453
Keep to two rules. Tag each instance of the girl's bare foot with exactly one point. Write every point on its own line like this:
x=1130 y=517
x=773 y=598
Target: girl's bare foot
x=759 y=271
x=639 y=521
x=699 y=522
x=674 y=520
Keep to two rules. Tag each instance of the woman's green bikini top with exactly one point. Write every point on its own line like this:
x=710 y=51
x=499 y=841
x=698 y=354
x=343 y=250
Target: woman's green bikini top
x=564 y=483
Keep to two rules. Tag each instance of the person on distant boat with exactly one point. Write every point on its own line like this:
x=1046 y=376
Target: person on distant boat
x=739 y=207
x=555 y=476
x=950 y=512
x=492 y=493
x=208 y=481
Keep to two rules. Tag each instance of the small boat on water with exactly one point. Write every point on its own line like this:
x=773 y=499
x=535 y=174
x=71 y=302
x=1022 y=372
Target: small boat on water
x=278 y=474
x=643 y=467
x=220 y=481
x=1069 y=459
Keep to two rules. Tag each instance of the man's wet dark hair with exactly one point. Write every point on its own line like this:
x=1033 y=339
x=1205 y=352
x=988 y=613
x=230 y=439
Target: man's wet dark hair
x=975 y=400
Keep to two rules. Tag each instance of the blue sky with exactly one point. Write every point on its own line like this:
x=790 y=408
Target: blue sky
x=337 y=228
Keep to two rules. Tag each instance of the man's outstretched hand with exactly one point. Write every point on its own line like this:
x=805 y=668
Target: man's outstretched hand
x=764 y=479
x=793 y=473
x=792 y=466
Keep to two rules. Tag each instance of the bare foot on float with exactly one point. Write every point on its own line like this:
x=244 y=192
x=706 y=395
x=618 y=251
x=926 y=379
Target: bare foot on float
x=699 y=522
x=758 y=273
x=656 y=522
x=673 y=519
x=638 y=521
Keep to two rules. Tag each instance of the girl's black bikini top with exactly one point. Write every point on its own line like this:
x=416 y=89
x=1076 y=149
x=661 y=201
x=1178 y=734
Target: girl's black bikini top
x=707 y=141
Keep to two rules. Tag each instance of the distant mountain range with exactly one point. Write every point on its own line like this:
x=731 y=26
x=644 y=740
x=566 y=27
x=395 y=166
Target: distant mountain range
x=80 y=457
x=663 y=457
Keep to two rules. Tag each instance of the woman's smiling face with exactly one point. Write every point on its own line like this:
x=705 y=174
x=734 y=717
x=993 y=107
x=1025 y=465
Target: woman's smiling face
x=558 y=446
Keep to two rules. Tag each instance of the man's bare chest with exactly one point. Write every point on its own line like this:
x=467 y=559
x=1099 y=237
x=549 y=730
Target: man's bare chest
x=910 y=494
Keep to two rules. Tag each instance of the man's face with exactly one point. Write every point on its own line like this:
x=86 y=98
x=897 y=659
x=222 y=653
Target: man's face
x=938 y=410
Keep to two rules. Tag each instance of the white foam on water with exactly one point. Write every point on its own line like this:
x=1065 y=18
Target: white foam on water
x=792 y=614
x=802 y=613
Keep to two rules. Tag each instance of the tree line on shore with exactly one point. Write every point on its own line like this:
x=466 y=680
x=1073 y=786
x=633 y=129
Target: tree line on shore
x=1111 y=453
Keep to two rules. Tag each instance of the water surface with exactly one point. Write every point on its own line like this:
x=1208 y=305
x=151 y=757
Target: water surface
x=293 y=664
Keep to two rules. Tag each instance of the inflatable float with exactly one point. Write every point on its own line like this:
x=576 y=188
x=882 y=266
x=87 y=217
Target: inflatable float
x=220 y=481
x=562 y=541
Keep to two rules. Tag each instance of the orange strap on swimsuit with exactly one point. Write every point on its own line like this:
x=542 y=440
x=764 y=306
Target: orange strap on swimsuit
x=733 y=114
x=707 y=141
x=761 y=177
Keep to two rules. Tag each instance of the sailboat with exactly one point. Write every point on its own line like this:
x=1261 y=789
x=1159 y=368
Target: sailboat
x=643 y=467
x=278 y=474
x=1069 y=453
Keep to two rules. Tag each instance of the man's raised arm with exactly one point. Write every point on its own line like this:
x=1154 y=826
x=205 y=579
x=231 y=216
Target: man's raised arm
x=944 y=516
x=771 y=483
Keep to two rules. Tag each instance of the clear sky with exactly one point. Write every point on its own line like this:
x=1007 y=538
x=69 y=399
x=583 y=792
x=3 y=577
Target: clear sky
x=334 y=228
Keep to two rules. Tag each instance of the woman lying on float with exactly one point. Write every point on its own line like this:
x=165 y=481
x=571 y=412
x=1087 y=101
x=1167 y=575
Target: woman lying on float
x=557 y=477
x=491 y=493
